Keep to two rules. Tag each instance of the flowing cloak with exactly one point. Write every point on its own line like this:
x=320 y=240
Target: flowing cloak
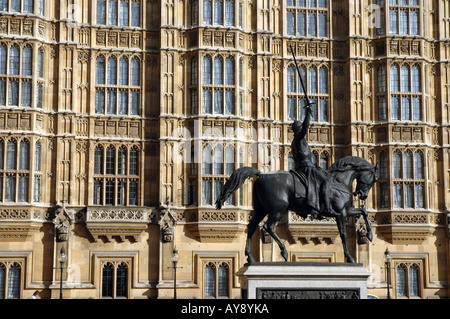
x=306 y=171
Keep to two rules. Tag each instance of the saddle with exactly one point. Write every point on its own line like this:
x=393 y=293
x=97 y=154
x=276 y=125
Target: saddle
x=298 y=177
x=311 y=186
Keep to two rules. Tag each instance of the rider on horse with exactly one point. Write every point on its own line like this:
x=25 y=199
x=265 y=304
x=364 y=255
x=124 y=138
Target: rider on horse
x=314 y=177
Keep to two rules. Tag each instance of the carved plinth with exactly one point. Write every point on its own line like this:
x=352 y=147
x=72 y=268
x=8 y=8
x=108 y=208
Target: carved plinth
x=303 y=280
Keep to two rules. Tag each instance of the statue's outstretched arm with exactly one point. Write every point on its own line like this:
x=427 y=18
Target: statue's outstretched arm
x=305 y=125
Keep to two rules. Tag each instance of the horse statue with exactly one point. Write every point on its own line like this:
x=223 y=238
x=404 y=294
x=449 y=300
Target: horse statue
x=274 y=194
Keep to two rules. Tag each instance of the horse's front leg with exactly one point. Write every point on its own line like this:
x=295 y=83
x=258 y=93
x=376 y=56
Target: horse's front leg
x=340 y=221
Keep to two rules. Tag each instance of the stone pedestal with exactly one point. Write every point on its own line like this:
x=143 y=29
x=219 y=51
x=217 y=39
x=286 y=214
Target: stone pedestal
x=303 y=280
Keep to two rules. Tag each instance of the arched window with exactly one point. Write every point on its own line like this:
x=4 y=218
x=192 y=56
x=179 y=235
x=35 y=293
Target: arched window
x=395 y=108
x=419 y=195
x=24 y=155
x=112 y=71
x=194 y=12
x=98 y=160
x=123 y=71
x=209 y=281
x=2 y=145
x=407 y=165
x=110 y=160
x=415 y=79
x=207 y=12
x=207 y=100
x=404 y=78
x=135 y=72
x=122 y=281
x=121 y=161
x=229 y=101
x=218 y=159
x=112 y=12
x=124 y=13
x=14 y=60
x=100 y=70
x=194 y=71
x=312 y=24
x=207 y=160
x=111 y=101
x=229 y=160
x=383 y=165
x=396 y=164
x=418 y=165
x=401 y=280
x=218 y=71
x=207 y=71
x=416 y=109
x=312 y=80
x=218 y=12
x=98 y=192
x=14 y=281
x=15 y=5
x=28 y=6
x=241 y=157
x=2 y=279
x=394 y=78
x=229 y=12
x=109 y=191
x=323 y=109
x=134 y=160
x=11 y=154
x=223 y=275
x=229 y=71
x=23 y=188
x=381 y=79
x=3 y=59
x=323 y=81
x=107 y=281
x=291 y=79
x=413 y=281
x=40 y=63
x=101 y=11
x=26 y=61
x=123 y=101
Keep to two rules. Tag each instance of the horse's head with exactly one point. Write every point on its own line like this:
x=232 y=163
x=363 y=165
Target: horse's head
x=365 y=181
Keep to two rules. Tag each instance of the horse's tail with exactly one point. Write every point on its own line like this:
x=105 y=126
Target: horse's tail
x=234 y=182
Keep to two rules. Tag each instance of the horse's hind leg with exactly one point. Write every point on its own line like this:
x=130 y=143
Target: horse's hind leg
x=269 y=226
x=252 y=226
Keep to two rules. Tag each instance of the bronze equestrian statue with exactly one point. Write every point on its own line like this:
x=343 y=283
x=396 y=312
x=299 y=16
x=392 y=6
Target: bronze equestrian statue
x=274 y=194
x=307 y=189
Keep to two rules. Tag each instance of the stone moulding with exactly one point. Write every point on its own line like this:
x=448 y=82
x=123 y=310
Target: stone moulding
x=210 y=225
x=116 y=222
x=402 y=227
x=309 y=229
x=18 y=223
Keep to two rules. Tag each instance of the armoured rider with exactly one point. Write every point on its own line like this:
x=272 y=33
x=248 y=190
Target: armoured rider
x=316 y=178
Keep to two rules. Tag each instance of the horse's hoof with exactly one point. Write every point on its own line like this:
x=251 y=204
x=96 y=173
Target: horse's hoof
x=350 y=260
x=250 y=259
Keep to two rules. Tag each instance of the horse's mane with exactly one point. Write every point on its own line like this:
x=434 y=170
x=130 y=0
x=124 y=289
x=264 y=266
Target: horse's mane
x=350 y=162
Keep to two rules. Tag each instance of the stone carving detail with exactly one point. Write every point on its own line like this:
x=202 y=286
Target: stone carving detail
x=123 y=215
x=307 y=294
x=63 y=222
x=13 y=214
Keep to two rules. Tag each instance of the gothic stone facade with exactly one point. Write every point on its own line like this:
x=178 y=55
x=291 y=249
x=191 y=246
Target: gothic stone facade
x=121 y=119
